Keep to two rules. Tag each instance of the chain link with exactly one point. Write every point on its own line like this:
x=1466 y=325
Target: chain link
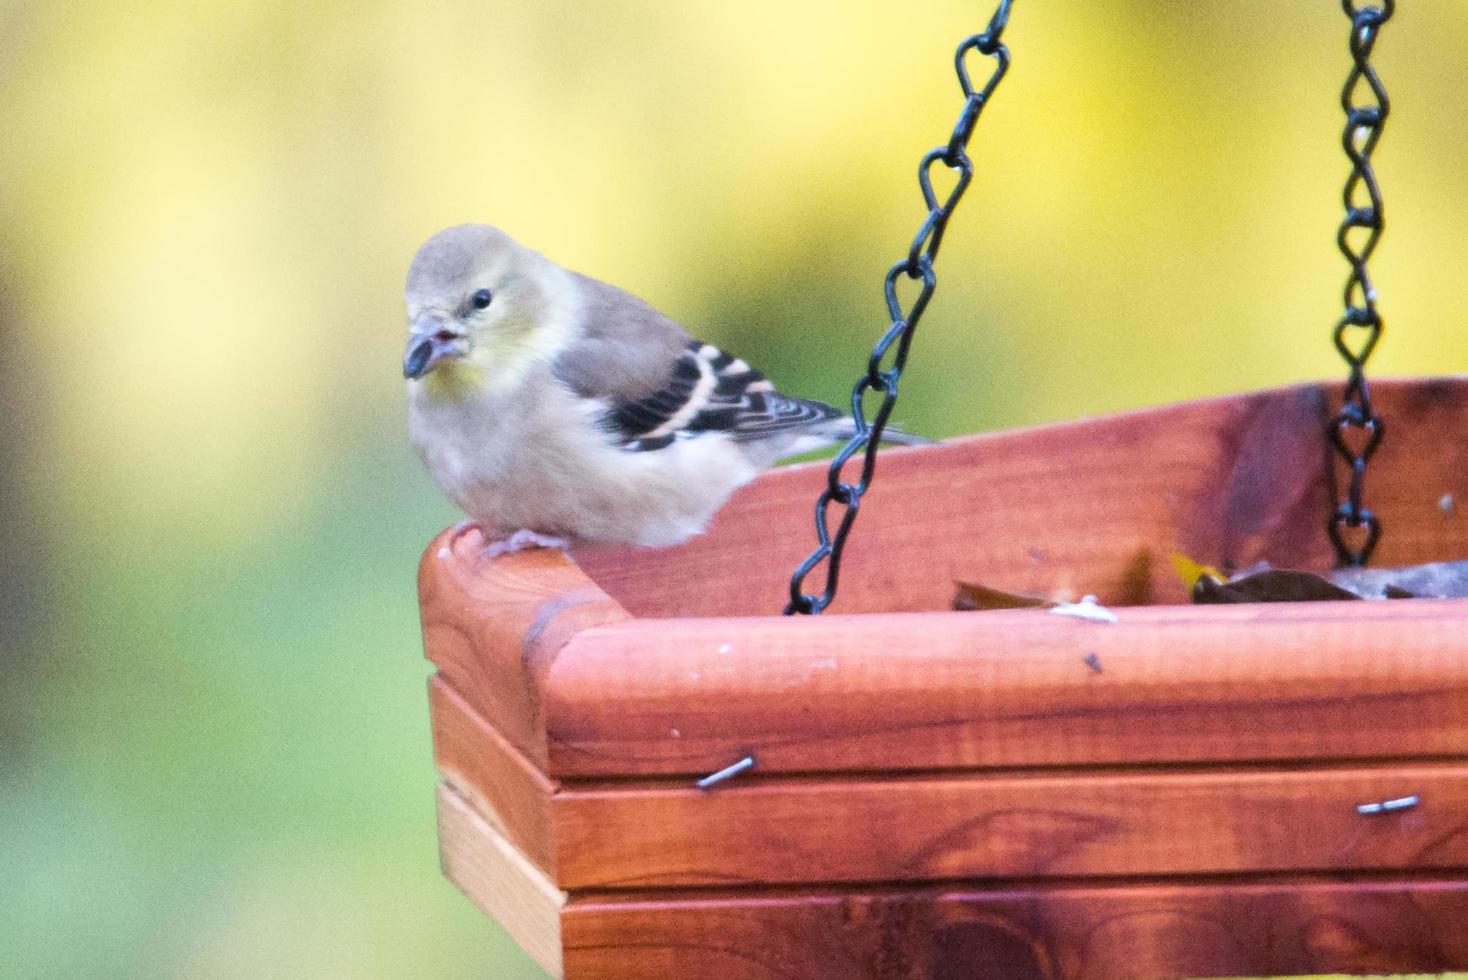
x=917 y=266
x=1356 y=430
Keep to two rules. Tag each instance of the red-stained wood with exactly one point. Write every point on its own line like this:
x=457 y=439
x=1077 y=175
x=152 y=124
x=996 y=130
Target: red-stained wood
x=1009 y=794
x=509 y=793
x=1308 y=681
x=1095 y=506
x=1030 y=824
x=1103 y=930
x=1076 y=825
x=495 y=626
x=1076 y=932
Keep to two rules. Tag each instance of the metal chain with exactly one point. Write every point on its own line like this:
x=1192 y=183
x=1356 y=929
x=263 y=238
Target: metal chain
x=918 y=267
x=1356 y=430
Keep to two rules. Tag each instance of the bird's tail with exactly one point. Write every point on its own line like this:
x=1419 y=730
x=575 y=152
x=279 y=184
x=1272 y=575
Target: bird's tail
x=893 y=436
x=843 y=427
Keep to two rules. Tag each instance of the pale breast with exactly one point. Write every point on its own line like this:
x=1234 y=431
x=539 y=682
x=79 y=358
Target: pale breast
x=550 y=466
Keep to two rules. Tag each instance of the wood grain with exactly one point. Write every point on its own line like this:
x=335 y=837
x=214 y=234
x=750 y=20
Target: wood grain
x=1014 y=824
x=1094 y=506
x=497 y=878
x=1011 y=688
x=1026 y=826
x=495 y=626
x=488 y=772
x=1100 y=932
x=1009 y=794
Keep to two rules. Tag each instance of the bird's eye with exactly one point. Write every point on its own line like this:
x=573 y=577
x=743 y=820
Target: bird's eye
x=481 y=299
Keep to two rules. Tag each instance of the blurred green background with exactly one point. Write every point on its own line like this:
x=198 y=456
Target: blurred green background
x=214 y=754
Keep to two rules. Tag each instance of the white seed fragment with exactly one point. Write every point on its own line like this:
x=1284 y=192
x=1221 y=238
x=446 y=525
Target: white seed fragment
x=1087 y=608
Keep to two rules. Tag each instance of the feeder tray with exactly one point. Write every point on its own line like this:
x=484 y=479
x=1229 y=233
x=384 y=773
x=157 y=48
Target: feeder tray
x=1011 y=794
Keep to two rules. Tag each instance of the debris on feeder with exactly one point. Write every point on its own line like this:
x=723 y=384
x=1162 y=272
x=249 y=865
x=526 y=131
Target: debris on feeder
x=1261 y=583
x=1191 y=572
x=1436 y=580
x=1269 y=585
x=973 y=597
x=1258 y=583
x=1087 y=608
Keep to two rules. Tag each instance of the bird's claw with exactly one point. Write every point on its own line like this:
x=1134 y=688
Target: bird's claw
x=522 y=540
x=463 y=527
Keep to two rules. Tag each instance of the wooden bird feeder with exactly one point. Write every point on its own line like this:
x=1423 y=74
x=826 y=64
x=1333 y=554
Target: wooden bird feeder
x=904 y=791
x=1014 y=794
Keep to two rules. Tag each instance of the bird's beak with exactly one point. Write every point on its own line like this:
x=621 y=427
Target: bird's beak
x=430 y=342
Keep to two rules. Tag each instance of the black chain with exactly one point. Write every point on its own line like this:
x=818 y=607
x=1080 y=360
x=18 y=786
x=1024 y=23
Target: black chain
x=916 y=266
x=1356 y=430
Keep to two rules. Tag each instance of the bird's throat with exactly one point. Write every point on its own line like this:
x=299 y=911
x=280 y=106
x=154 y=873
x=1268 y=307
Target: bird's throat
x=456 y=379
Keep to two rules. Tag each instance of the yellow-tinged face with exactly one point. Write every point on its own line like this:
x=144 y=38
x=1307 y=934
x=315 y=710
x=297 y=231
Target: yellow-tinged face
x=475 y=305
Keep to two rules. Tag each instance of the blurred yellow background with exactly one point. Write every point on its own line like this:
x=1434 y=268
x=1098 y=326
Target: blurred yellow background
x=214 y=755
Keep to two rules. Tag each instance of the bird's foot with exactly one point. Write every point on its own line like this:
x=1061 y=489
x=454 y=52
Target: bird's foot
x=522 y=540
x=463 y=527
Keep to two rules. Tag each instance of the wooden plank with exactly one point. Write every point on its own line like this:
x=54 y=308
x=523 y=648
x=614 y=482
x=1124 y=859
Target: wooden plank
x=497 y=878
x=1075 y=825
x=1088 y=932
x=500 y=784
x=1094 y=506
x=1095 y=930
x=1009 y=825
x=1012 y=688
x=494 y=627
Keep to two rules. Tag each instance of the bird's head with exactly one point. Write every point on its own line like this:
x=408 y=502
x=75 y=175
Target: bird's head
x=478 y=306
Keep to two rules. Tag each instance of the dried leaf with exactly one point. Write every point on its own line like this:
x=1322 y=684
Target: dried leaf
x=1439 y=580
x=1272 y=585
x=974 y=597
x=1191 y=572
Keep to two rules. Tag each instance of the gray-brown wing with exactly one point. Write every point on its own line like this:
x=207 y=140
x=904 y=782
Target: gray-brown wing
x=662 y=385
x=628 y=348
x=710 y=391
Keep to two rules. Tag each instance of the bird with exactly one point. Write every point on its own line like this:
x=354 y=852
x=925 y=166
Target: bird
x=556 y=410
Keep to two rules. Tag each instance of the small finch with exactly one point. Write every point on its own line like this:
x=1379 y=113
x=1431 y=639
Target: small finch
x=555 y=409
